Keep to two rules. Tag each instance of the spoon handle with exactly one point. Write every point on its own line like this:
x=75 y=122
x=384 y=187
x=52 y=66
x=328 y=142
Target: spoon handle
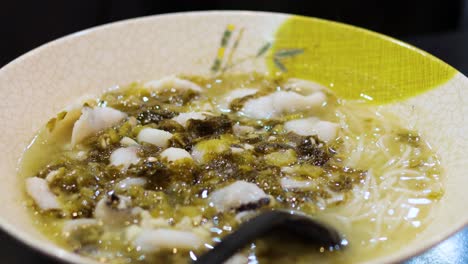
x=300 y=226
x=246 y=233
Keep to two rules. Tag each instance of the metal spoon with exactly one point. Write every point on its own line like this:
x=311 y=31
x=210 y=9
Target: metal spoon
x=271 y=222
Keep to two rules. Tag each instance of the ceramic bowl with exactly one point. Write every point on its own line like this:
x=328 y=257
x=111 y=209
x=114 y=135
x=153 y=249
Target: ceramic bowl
x=428 y=94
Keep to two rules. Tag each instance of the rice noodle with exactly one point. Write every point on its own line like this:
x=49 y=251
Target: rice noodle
x=387 y=162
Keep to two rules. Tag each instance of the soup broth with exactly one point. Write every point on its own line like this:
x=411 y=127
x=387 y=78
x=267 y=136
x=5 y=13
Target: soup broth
x=160 y=172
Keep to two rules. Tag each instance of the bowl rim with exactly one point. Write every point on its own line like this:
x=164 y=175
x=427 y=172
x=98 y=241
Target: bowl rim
x=63 y=255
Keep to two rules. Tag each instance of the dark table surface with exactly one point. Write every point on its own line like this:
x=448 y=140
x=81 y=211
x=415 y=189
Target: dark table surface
x=450 y=47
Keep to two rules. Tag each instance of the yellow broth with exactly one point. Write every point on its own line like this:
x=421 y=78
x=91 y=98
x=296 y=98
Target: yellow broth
x=376 y=181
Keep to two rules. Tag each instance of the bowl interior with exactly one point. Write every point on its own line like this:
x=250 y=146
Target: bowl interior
x=427 y=93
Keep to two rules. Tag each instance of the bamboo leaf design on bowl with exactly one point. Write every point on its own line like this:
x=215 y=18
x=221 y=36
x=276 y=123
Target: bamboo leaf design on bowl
x=222 y=64
x=263 y=49
x=282 y=54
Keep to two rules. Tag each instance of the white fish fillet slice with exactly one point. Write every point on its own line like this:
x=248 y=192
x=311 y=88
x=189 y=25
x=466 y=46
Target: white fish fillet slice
x=303 y=86
x=288 y=183
x=72 y=225
x=237 y=259
x=124 y=157
x=236 y=94
x=172 y=82
x=38 y=190
x=278 y=103
x=154 y=136
x=156 y=239
x=325 y=130
x=182 y=118
x=129 y=182
x=93 y=120
x=111 y=216
x=174 y=154
x=235 y=195
x=127 y=142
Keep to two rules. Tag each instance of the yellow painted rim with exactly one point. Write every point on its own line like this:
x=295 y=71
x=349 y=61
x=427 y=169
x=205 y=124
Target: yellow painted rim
x=355 y=63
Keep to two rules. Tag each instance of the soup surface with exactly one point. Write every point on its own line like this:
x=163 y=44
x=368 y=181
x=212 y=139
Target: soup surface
x=160 y=172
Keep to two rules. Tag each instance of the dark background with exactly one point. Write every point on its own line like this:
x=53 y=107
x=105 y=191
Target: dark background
x=437 y=26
